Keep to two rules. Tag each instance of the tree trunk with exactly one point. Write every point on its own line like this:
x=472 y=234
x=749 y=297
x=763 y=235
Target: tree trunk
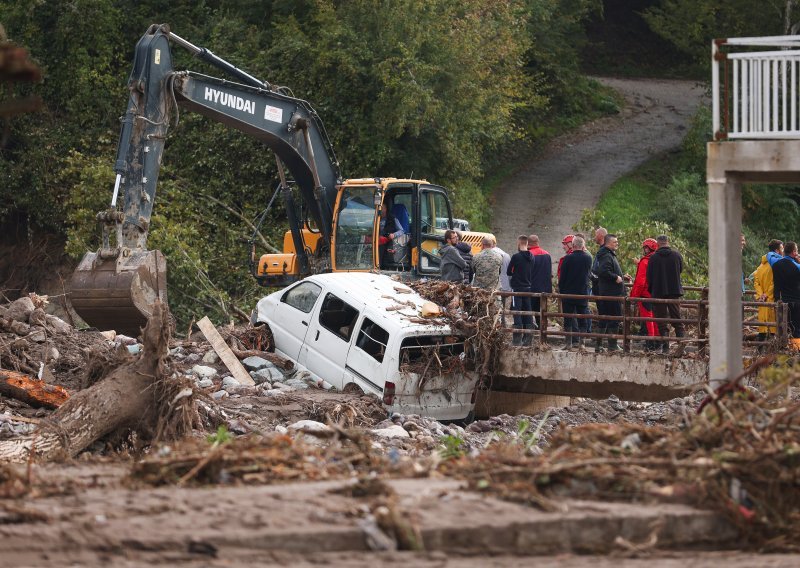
x=123 y=401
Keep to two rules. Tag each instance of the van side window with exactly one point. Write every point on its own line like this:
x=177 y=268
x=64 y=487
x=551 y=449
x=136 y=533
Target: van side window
x=338 y=317
x=372 y=339
x=303 y=296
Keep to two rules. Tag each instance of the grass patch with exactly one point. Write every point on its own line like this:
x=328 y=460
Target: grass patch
x=630 y=200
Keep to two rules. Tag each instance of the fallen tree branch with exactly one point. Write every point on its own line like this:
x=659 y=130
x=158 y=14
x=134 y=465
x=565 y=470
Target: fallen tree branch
x=126 y=400
x=30 y=390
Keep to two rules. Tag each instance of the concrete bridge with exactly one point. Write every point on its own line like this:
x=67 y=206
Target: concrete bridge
x=550 y=374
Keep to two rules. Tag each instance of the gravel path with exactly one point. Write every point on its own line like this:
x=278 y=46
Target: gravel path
x=547 y=196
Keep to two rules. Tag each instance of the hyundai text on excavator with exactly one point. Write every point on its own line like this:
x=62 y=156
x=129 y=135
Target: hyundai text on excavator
x=336 y=229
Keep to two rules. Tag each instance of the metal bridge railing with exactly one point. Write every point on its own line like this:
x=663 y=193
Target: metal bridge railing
x=695 y=320
x=754 y=83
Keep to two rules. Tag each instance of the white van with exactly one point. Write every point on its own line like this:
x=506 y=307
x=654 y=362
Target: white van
x=337 y=327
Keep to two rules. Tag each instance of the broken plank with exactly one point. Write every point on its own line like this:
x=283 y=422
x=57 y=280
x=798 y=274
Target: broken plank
x=218 y=344
x=31 y=390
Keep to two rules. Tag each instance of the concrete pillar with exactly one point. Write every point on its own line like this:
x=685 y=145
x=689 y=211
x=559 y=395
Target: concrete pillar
x=725 y=276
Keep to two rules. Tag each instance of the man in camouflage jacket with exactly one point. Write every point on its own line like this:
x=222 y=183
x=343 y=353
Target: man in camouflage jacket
x=487 y=265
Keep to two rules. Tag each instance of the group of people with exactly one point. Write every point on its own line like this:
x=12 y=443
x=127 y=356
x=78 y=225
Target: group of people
x=778 y=278
x=579 y=274
x=658 y=276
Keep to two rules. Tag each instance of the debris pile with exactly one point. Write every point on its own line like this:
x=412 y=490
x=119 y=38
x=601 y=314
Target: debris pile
x=740 y=455
x=46 y=347
x=261 y=459
x=472 y=312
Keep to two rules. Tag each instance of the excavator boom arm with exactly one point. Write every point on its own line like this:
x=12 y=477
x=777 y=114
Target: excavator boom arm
x=117 y=286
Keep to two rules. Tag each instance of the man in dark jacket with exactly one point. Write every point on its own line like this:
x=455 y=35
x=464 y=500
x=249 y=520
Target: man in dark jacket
x=465 y=250
x=542 y=273
x=786 y=276
x=664 y=281
x=452 y=265
x=573 y=279
x=610 y=282
x=520 y=269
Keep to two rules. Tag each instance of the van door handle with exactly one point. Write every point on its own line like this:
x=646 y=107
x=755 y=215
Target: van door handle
x=317 y=337
x=304 y=322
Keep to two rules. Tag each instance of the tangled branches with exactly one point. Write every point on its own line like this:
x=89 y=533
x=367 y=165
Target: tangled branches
x=740 y=455
x=471 y=312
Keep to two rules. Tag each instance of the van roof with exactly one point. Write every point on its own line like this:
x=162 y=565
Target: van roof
x=376 y=292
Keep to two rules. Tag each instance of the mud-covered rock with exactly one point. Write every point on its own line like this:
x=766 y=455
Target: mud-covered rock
x=21 y=309
x=255 y=363
x=310 y=426
x=393 y=431
x=203 y=371
x=57 y=325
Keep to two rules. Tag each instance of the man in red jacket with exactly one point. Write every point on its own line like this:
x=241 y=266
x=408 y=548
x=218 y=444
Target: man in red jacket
x=640 y=290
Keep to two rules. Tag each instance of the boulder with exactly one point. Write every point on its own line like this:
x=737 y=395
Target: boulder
x=230 y=382
x=205 y=383
x=310 y=426
x=58 y=325
x=20 y=309
x=299 y=384
x=203 y=372
x=38 y=318
x=19 y=327
x=393 y=431
x=211 y=357
x=255 y=363
x=219 y=395
x=37 y=336
x=269 y=373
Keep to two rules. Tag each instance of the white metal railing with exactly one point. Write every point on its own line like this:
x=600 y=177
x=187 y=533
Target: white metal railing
x=755 y=91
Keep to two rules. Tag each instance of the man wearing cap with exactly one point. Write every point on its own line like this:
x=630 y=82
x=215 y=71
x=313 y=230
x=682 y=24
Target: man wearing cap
x=640 y=290
x=566 y=242
x=542 y=273
x=664 y=281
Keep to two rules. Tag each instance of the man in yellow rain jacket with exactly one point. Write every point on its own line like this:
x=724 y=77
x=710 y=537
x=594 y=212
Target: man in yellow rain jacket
x=764 y=287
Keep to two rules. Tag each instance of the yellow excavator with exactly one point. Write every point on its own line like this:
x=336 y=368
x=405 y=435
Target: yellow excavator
x=337 y=226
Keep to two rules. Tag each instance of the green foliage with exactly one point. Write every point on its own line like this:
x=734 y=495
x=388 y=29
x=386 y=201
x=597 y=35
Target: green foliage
x=431 y=88
x=452 y=447
x=221 y=436
x=529 y=439
x=691 y=25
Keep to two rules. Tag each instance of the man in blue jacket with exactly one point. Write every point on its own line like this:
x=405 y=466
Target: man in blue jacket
x=520 y=269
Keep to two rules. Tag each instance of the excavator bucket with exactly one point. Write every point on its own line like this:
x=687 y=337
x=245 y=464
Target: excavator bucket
x=118 y=292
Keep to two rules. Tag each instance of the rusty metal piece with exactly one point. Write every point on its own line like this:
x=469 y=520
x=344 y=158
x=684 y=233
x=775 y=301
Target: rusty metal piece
x=119 y=292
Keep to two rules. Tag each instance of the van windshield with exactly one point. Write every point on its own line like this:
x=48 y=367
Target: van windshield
x=354 y=229
x=423 y=352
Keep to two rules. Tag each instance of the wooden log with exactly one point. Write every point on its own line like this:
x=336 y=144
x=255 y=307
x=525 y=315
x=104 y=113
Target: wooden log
x=31 y=390
x=124 y=401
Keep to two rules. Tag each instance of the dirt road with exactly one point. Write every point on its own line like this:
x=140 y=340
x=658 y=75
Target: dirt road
x=547 y=196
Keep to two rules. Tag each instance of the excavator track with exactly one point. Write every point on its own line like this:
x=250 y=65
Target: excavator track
x=119 y=292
